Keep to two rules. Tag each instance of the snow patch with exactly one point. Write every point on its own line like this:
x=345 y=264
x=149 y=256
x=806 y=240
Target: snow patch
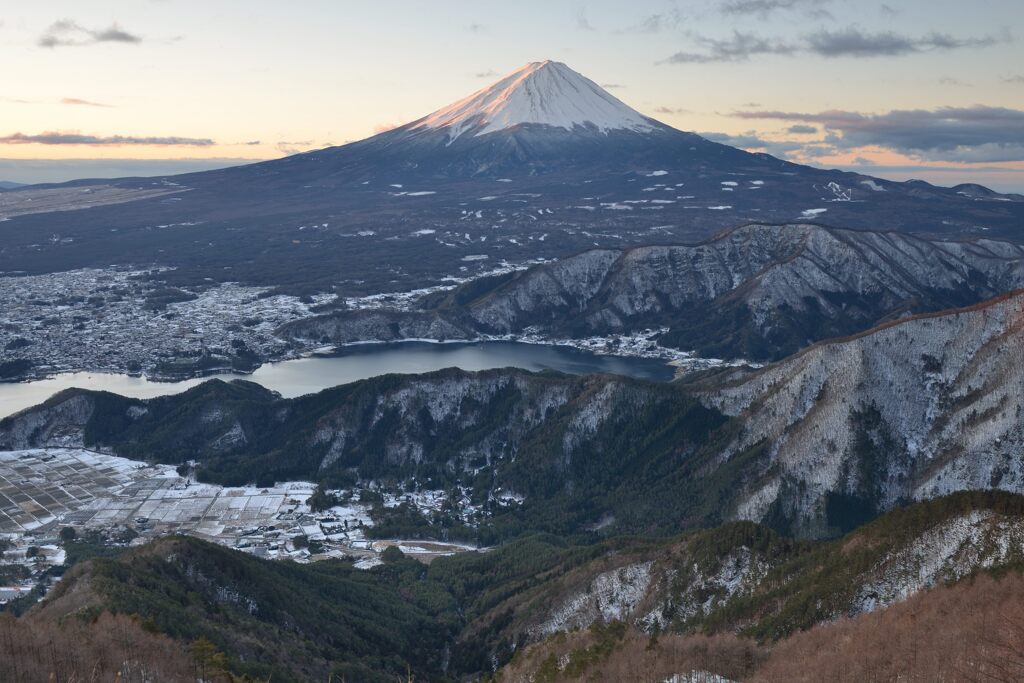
x=547 y=93
x=611 y=595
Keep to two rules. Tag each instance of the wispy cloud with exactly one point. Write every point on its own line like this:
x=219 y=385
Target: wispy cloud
x=1019 y=79
x=476 y=28
x=61 y=170
x=612 y=86
x=763 y=8
x=68 y=32
x=854 y=42
x=293 y=146
x=489 y=73
x=965 y=134
x=81 y=102
x=752 y=140
x=656 y=23
x=63 y=100
x=802 y=129
x=670 y=110
x=582 y=22
x=58 y=138
x=848 y=42
x=738 y=48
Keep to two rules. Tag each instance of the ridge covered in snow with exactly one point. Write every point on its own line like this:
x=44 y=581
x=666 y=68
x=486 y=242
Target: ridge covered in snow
x=547 y=93
x=911 y=410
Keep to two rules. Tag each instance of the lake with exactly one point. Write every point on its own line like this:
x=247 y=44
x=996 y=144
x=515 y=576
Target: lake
x=307 y=375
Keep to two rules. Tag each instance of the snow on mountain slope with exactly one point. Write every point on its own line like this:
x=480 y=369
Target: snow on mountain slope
x=547 y=93
x=958 y=547
x=805 y=269
x=757 y=292
x=747 y=578
x=908 y=411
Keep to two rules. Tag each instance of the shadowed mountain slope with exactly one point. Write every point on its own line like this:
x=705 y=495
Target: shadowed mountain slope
x=756 y=292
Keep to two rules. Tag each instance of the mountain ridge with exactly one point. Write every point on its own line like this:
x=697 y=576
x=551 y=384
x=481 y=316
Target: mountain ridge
x=757 y=291
x=903 y=412
x=464 y=615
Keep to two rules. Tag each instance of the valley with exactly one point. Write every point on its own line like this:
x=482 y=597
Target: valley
x=738 y=599
x=813 y=445
x=755 y=293
x=124 y=321
x=796 y=481
x=116 y=501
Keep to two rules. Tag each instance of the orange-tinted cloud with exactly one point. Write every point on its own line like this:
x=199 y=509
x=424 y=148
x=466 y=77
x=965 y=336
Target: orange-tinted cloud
x=59 y=138
x=87 y=103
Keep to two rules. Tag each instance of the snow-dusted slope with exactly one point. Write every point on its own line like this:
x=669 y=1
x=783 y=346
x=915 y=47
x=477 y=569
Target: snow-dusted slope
x=684 y=584
x=546 y=93
x=912 y=410
x=756 y=292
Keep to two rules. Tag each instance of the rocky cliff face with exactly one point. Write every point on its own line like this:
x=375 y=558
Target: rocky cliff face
x=909 y=411
x=59 y=422
x=757 y=291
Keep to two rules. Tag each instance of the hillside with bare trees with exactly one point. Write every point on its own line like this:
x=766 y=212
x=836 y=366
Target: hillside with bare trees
x=740 y=601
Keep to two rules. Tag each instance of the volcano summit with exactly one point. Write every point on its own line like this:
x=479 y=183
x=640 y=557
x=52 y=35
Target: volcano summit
x=542 y=94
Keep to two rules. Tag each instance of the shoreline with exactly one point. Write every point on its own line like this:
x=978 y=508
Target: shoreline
x=323 y=367
x=594 y=345
x=636 y=347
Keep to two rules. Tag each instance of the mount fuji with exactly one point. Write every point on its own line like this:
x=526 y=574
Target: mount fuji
x=543 y=119
x=542 y=164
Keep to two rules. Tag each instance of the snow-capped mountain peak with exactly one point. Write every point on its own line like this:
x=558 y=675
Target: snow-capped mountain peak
x=547 y=93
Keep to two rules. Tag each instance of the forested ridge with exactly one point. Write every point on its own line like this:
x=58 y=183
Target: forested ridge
x=182 y=603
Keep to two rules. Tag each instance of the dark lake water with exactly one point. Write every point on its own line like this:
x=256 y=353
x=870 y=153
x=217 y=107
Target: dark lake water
x=307 y=375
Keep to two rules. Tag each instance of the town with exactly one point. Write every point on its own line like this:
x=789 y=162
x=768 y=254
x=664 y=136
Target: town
x=50 y=498
x=122 y=320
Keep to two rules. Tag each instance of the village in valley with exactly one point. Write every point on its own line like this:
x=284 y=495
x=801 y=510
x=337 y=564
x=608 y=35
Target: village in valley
x=53 y=500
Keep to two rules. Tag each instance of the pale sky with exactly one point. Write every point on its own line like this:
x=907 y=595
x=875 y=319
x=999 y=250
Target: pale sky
x=918 y=87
